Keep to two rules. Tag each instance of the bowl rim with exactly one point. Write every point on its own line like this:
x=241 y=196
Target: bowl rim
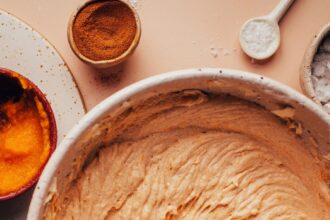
x=104 y=63
x=52 y=130
x=305 y=77
x=112 y=101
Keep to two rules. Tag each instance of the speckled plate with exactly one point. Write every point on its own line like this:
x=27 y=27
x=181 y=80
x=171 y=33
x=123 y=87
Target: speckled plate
x=25 y=51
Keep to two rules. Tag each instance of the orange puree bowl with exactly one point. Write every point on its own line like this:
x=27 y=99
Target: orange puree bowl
x=28 y=133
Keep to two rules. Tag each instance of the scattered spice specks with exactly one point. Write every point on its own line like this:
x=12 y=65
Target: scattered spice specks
x=214 y=52
x=226 y=52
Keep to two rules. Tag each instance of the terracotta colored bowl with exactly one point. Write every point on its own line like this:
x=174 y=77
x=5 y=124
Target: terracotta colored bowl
x=52 y=126
x=111 y=62
x=84 y=140
x=306 y=69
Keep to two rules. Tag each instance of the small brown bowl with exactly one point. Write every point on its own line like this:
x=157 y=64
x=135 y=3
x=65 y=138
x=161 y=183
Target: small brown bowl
x=306 y=69
x=16 y=85
x=104 y=63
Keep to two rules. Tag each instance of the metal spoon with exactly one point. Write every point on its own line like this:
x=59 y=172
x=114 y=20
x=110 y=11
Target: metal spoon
x=260 y=36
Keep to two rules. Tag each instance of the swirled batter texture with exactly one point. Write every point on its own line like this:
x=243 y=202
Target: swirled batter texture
x=188 y=155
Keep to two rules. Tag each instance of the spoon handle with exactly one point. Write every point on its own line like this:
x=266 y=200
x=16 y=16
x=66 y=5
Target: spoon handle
x=280 y=9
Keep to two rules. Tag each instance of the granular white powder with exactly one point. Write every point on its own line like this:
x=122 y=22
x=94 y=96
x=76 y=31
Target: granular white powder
x=134 y=3
x=321 y=73
x=259 y=36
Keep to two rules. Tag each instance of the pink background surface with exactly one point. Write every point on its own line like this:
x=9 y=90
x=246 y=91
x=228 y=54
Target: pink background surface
x=178 y=34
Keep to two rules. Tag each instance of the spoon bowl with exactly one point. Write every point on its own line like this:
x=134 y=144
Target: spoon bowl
x=260 y=37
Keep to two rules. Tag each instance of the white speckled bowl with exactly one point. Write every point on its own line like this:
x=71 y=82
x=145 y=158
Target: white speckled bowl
x=88 y=135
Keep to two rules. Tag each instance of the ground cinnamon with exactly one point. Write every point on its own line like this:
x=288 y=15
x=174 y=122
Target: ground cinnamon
x=104 y=30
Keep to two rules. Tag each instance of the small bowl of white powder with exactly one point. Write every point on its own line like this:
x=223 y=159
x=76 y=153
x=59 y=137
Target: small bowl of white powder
x=315 y=69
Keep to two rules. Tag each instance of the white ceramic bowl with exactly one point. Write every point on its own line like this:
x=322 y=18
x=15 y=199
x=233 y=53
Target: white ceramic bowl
x=88 y=134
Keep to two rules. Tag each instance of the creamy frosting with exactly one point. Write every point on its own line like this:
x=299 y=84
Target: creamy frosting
x=190 y=155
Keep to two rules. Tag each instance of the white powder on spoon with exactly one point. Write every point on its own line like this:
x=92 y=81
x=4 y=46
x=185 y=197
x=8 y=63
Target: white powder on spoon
x=321 y=73
x=259 y=36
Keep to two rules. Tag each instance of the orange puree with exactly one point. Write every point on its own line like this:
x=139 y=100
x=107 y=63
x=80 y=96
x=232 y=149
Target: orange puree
x=24 y=142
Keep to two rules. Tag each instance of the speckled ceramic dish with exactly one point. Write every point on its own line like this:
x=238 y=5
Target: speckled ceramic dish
x=306 y=69
x=86 y=137
x=25 y=51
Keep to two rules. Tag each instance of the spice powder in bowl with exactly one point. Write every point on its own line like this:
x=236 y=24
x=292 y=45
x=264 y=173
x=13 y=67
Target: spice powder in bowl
x=104 y=31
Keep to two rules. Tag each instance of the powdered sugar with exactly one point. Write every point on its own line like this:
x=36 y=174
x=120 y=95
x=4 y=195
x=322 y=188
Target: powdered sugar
x=259 y=36
x=321 y=73
x=134 y=3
